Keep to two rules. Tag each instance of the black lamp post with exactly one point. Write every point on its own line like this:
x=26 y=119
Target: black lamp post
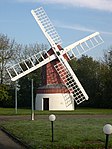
x=107 y=129
x=52 y=118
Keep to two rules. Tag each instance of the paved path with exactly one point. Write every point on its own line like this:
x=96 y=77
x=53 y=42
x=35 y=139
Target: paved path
x=7 y=143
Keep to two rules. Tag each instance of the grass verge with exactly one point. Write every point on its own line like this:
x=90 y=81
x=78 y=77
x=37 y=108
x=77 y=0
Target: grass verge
x=79 y=111
x=70 y=132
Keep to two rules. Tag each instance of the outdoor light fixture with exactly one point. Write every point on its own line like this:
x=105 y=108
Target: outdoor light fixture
x=107 y=129
x=52 y=118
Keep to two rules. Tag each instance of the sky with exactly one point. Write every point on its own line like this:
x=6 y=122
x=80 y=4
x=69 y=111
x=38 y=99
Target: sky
x=73 y=20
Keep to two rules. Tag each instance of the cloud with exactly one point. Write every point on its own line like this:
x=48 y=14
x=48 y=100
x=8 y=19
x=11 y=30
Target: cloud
x=79 y=27
x=76 y=27
x=105 y=5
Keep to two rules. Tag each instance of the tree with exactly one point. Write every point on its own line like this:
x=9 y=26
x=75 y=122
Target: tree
x=26 y=51
x=106 y=79
x=24 y=94
x=87 y=71
x=7 y=49
x=5 y=96
x=108 y=58
x=4 y=92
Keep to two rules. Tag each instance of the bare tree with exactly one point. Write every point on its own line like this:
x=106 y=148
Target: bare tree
x=108 y=58
x=7 y=49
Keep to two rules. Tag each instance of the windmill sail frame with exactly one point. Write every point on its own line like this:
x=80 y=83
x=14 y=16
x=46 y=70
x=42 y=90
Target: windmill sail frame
x=32 y=63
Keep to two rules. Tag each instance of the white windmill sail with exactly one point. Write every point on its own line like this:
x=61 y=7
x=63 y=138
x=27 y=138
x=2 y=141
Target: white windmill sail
x=80 y=47
x=72 y=83
x=30 y=64
x=46 y=26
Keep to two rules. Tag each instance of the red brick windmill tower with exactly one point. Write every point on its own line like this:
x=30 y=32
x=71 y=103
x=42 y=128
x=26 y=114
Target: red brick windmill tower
x=60 y=85
x=53 y=93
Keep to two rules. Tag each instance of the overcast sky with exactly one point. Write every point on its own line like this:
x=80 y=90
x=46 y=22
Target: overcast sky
x=73 y=19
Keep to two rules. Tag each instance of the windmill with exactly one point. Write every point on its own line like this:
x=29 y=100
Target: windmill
x=60 y=87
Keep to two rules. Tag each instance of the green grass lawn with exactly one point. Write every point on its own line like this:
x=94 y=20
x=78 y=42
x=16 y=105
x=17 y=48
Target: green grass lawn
x=72 y=130
x=69 y=132
x=11 y=111
x=79 y=111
